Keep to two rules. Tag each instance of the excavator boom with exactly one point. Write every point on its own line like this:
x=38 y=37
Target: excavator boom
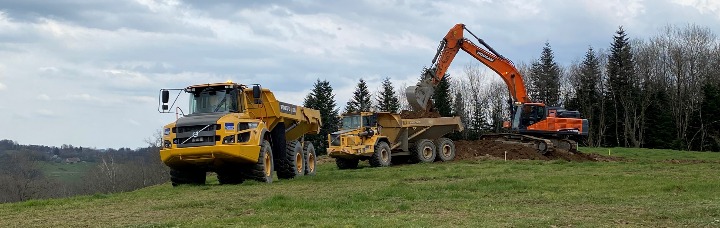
x=419 y=95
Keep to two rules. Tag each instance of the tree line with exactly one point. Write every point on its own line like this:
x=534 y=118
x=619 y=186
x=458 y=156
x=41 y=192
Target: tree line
x=24 y=176
x=658 y=92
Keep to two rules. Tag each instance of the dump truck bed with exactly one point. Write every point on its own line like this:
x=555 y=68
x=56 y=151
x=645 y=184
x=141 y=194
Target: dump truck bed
x=401 y=132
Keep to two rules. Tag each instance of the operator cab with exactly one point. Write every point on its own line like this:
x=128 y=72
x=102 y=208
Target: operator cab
x=528 y=114
x=213 y=99
x=357 y=120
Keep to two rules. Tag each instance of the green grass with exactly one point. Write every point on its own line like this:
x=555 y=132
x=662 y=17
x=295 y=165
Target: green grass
x=642 y=155
x=643 y=191
x=66 y=172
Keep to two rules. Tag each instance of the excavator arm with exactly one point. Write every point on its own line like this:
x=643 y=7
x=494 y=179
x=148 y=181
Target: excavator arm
x=419 y=95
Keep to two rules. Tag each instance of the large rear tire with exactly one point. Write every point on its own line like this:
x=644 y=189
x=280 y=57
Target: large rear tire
x=263 y=169
x=290 y=164
x=189 y=175
x=445 y=149
x=381 y=157
x=423 y=151
x=310 y=159
x=346 y=163
x=230 y=175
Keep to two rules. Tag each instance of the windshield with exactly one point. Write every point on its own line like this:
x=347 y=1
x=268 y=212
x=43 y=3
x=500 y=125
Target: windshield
x=350 y=122
x=213 y=99
x=353 y=122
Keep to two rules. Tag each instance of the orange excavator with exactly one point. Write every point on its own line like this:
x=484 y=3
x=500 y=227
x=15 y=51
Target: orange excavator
x=533 y=124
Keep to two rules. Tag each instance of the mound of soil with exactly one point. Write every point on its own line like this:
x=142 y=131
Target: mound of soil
x=478 y=149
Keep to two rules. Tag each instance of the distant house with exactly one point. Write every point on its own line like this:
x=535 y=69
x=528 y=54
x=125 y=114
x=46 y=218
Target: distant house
x=72 y=160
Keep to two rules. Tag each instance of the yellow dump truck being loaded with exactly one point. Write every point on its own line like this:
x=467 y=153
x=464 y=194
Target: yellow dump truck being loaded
x=381 y=137
x=240 y=133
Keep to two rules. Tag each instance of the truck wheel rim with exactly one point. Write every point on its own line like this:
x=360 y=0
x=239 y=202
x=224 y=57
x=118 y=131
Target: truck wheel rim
x=427 y=152
x=446 y=150
x=298 y=162
x=311 y=162
x=384 y=155
x=268 y=163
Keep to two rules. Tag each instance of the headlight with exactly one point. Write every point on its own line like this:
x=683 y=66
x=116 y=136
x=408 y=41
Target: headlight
x=167 y=144
x=252 y=125
x=229 y=139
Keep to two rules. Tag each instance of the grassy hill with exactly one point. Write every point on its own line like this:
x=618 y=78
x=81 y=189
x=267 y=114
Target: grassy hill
x=651 y=188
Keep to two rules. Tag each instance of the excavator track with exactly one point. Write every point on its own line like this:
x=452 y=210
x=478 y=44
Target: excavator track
x=542 y=145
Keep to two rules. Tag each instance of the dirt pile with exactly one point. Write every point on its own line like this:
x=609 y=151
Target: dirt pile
x=470 y=150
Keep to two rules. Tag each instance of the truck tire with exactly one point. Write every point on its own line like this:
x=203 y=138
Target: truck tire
x=423 y=151
x=445 y=149
x=310 y=160
x=187 y=176
x=290 y=164
x=230 y=174
x=381 y=157
x=346 y=163
x=263 y=169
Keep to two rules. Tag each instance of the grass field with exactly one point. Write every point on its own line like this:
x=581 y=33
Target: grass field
x=66 y=172
x=655 y=188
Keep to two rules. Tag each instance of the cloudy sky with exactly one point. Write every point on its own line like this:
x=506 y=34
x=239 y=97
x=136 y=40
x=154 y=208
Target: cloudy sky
x=87 y=72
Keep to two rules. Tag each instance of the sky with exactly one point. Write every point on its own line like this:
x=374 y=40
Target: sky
x=88 y=72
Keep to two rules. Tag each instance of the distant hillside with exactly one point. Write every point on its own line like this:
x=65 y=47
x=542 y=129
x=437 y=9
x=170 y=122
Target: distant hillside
x=36 y=171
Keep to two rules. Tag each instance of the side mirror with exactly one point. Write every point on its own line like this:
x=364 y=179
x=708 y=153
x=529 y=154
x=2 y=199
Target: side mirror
x=165 y=97
x=256 y=94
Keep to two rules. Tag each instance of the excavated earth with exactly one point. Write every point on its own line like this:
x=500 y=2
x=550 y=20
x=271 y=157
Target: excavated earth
x=489 y=149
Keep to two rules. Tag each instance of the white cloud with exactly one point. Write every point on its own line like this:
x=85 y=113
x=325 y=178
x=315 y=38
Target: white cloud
x=43 y=97
x=2 y=87
x=703 y=6
x=45 y=113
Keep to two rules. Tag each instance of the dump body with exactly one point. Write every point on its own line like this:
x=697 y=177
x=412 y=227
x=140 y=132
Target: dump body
x=399 y=134
x=219 y=135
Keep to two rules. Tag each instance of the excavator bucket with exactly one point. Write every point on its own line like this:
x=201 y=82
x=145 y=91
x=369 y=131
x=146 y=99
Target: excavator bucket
x=418 y=96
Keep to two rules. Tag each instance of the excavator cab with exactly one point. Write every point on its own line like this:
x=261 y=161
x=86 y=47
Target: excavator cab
x=527 y=114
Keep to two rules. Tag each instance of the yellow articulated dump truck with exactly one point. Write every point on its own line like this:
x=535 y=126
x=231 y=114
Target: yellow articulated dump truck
x=382 y=138
x=239 y=132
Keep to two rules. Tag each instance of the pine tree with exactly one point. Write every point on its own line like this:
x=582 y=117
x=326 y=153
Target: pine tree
x=621 y=94
x=387 y=100
x=459 y=110
x=545 y=78
x=321 y=98
x=587 y=96
x=478 y=121
x=361 y=100
x=442 y=99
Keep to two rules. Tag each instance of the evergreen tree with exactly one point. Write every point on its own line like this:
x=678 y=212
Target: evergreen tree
x=442 y=99
x=387 y=99
x=545 y=78
x=478 y=121
x=587 y=96
x=660 y=132
x=621 y=92
x=321 y=98
x=459 y=110
x=361 y=100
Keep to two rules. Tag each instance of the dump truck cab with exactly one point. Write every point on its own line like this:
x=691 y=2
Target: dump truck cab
x=237 y=131
x=358 y=135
